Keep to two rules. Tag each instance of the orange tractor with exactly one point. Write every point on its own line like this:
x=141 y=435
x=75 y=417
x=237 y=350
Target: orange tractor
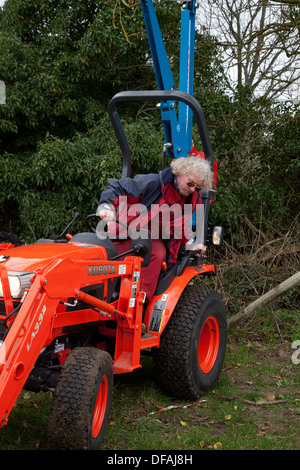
x=71 y=315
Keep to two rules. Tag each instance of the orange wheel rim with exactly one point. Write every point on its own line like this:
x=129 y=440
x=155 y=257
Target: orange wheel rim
x=208 y=344
x=100 y=407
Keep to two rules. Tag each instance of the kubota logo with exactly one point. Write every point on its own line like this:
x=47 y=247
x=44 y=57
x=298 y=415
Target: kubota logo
x=101 y=269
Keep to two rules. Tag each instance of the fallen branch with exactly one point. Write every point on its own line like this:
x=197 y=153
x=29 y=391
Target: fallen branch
x=289 y=283
x=171 y=407
x=177 y=406
x=254 y=403
x=264 y=402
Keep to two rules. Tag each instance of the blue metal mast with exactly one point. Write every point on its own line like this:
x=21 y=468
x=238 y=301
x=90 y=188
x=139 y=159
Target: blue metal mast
x=177 y=128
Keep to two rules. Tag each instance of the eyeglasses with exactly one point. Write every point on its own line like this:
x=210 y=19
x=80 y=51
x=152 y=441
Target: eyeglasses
x=191 y=184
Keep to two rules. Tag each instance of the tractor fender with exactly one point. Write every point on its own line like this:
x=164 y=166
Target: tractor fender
x=162 y=305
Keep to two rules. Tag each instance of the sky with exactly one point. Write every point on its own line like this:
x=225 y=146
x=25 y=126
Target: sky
x=2 y=2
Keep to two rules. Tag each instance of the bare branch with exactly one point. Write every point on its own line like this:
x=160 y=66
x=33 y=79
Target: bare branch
x=260 y=41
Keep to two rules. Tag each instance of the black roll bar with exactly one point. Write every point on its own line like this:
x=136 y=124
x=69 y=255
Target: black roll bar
x=156 y=95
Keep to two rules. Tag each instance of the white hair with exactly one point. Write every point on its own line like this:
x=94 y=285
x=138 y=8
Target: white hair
x=195 y=165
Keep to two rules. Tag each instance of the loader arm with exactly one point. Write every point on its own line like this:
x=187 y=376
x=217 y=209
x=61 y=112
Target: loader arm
x=25 y=339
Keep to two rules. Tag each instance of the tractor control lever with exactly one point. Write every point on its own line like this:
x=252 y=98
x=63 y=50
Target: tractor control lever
x=76 y=216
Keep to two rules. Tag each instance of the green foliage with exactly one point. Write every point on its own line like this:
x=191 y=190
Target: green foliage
x=282 y=155
x=62 y=62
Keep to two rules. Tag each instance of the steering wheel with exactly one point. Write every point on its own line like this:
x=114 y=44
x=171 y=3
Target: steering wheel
x=102 y=226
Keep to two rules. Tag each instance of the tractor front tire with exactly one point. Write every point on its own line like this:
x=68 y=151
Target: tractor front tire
x=190 y=357
x=81 y=401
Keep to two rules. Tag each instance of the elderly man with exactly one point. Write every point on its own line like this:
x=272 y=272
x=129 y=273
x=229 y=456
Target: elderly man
x=144 y=199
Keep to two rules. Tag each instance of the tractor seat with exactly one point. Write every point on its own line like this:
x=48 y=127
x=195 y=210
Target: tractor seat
x=92 y=239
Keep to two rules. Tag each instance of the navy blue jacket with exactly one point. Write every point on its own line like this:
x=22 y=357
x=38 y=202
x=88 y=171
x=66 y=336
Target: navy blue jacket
x=150 y=190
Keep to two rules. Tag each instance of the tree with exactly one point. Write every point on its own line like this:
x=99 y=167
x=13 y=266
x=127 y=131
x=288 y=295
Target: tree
x=61 y=62
x=260 y=42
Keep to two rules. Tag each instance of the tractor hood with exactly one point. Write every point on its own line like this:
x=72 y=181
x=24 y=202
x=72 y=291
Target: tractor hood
x=29 y=258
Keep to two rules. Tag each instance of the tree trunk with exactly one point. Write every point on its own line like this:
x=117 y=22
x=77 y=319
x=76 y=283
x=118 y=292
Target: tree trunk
x=289 y=283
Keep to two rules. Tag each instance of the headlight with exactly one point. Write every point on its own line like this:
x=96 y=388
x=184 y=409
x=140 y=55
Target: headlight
x=18 y=282
x=217 y=235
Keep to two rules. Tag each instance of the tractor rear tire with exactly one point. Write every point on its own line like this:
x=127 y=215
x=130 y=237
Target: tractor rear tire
x=190 y=357
x=81 y=401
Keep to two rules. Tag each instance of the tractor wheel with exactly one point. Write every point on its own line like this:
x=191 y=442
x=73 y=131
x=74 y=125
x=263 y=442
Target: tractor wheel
x=190 y=357
x=81 y=400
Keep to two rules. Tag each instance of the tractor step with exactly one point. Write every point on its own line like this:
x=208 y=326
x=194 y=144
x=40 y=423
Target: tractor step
x=148 y=340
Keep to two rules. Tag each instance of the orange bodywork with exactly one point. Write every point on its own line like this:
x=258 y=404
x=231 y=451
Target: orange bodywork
x=60 y=272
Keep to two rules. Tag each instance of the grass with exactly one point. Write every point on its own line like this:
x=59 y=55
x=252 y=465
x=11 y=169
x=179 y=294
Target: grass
x=231 y=417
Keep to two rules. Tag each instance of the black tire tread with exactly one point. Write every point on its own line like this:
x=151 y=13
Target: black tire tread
x=172 y=359
x=70 y=414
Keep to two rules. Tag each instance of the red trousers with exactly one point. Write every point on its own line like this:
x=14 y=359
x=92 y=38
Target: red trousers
x=150 y=273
